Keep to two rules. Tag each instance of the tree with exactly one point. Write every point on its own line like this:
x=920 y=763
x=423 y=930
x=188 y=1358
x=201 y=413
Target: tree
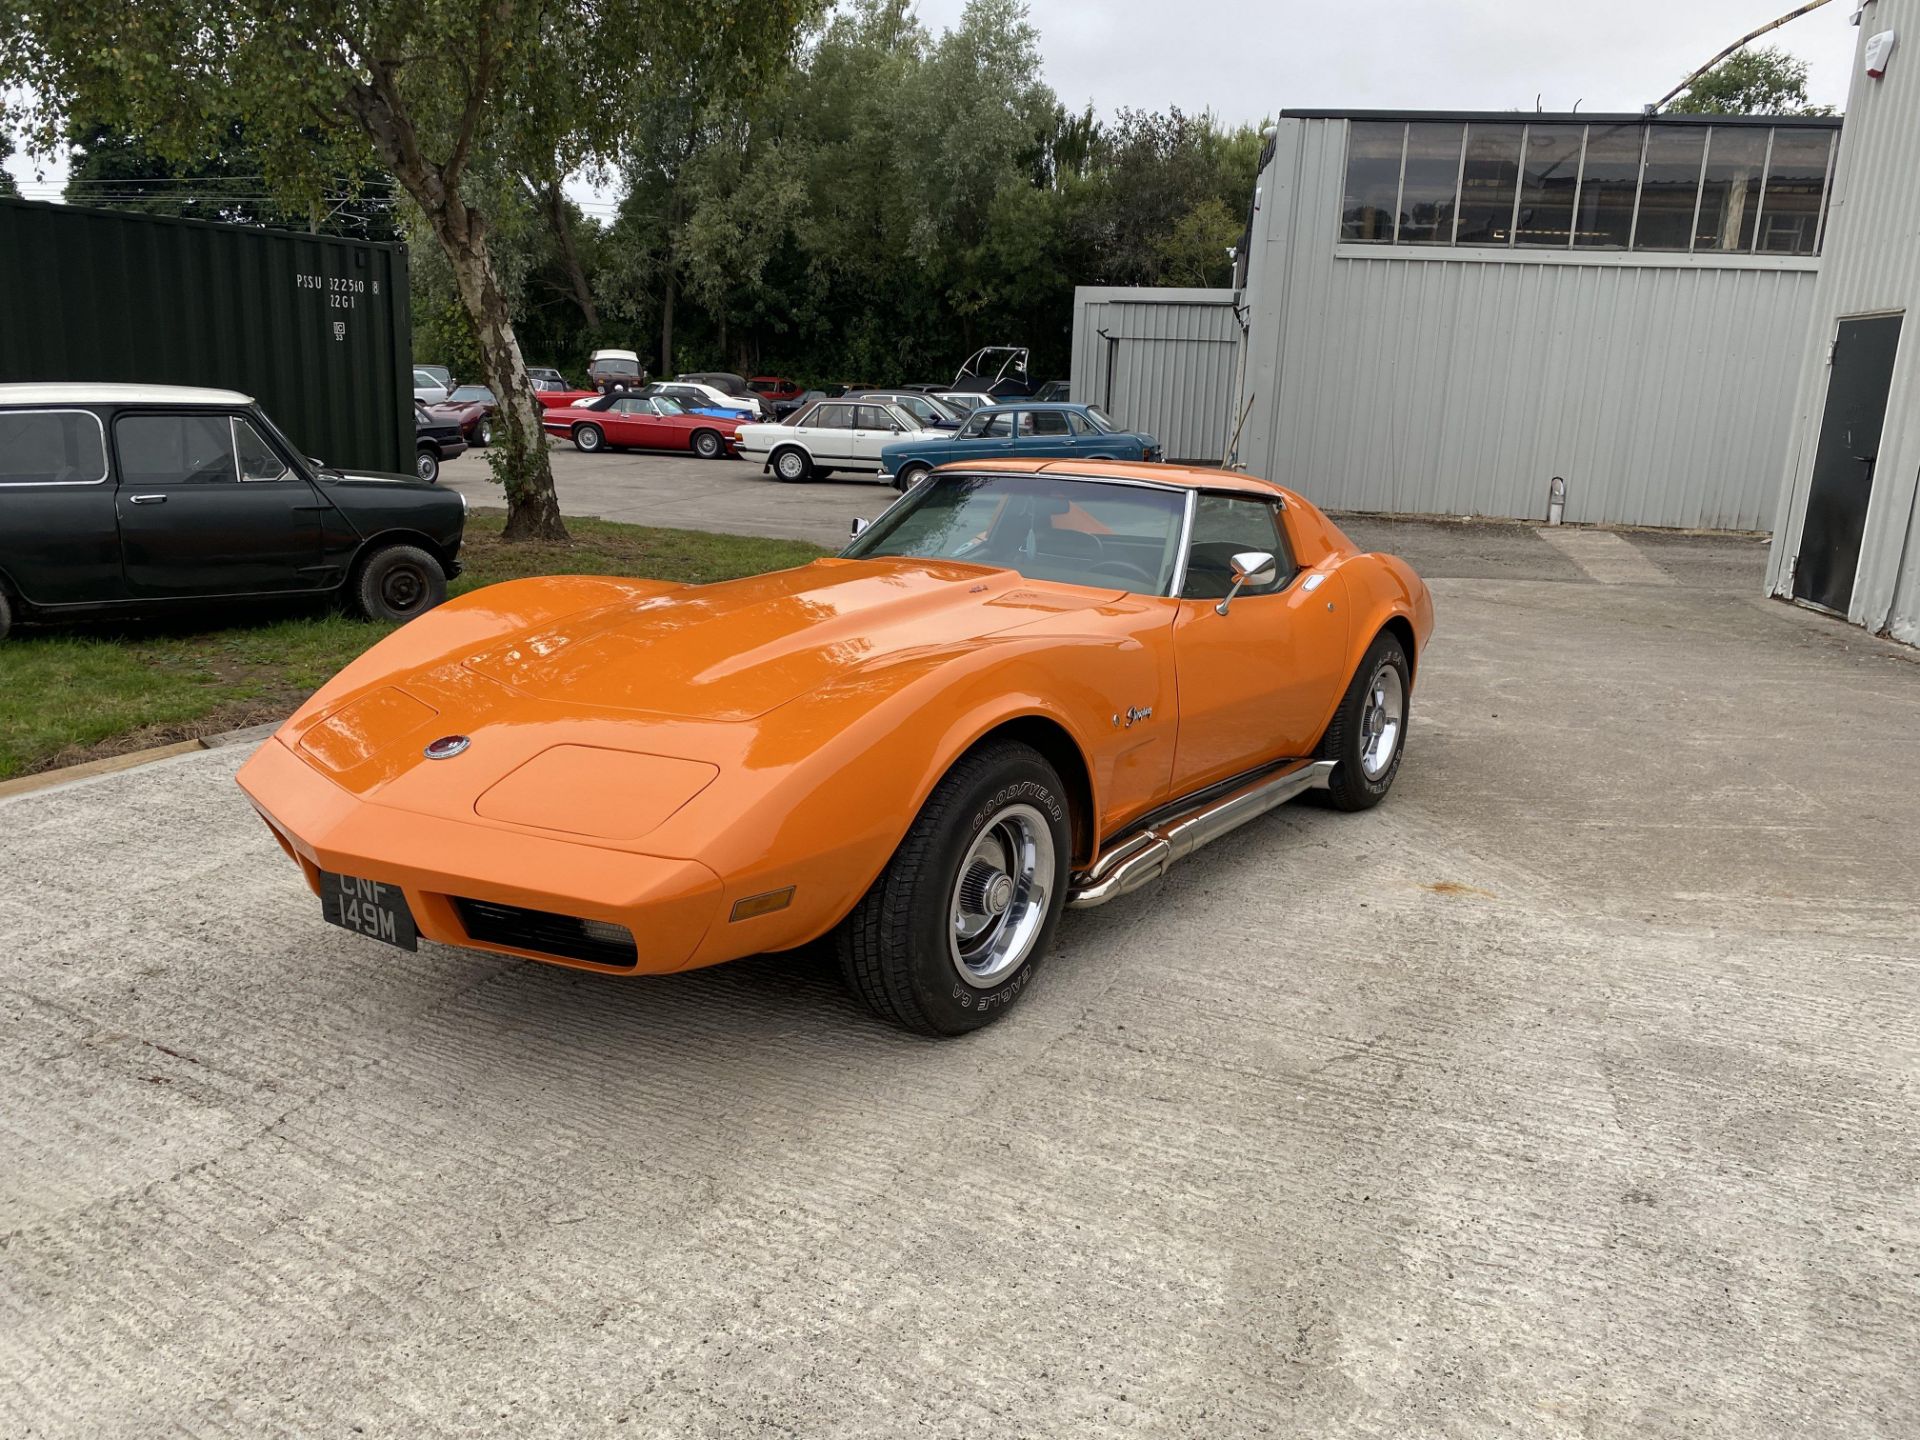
x=1767 y=81
x=426 y=89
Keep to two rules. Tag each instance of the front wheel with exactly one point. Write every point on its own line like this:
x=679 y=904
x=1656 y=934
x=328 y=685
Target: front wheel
x=483 y=433
x=1369 y=730
x=791 y=466
x=910 y=476
x=427 y=466
x=706 y=444
x=6 y=613
x=398 y=583
x=955 y=928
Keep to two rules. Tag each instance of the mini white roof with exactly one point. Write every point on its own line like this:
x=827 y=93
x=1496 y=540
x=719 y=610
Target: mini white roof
x=71 y=394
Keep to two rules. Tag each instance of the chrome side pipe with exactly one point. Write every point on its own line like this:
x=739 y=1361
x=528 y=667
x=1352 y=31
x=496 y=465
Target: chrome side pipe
x=1149 y=853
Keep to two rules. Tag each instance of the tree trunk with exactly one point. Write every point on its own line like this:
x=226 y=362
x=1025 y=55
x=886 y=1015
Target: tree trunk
x=521 y=464
x=666 y=326
x=554 y=205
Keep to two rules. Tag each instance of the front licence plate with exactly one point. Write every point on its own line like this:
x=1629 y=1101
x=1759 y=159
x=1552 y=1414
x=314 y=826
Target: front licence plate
x=368 y=908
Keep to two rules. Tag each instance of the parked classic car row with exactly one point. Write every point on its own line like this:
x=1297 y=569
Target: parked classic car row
x=137 y=497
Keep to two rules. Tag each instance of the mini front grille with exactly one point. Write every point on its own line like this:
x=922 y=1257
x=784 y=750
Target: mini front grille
x=567 y=936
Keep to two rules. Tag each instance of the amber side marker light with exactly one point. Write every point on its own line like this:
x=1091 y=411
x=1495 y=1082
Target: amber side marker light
x=755 y=905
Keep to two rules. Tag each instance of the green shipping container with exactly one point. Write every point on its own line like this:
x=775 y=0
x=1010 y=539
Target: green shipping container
x=316 y=329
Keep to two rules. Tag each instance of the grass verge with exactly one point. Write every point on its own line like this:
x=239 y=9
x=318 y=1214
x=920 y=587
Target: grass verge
x=77 y=693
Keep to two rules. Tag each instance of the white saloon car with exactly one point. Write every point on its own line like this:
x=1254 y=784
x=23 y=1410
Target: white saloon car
x=829 y=435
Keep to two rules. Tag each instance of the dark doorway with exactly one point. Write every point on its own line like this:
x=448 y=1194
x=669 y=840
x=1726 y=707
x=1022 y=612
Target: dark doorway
x=1860 y=373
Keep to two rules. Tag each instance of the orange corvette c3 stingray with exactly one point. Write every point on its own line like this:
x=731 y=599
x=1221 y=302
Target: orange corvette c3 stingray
x=1028 y=686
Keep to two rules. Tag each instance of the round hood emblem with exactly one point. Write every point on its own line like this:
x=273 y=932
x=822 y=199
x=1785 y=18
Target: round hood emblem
x=447 y=746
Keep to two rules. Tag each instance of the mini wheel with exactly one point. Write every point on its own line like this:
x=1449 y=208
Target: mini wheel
x=398 y=582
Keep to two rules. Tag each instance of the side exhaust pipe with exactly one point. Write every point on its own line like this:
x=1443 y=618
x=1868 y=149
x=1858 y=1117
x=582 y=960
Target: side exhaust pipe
x=1149 y=853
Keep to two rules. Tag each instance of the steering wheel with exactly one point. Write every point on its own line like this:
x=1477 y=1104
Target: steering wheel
x=1126 y=570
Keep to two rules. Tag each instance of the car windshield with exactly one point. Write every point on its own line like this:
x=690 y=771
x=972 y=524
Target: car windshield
x=474 y=395
x=608 y=366
x=1076 y=532
x=960 y=403
x=666 y=405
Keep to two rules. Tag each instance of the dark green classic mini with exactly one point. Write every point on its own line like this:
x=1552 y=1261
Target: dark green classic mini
x=145 y=497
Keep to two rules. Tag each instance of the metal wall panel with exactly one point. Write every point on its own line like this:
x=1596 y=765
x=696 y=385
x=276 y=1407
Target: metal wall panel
x=317 y=329
x=1871 y=266
x=1460 y=382
x=1159 y=360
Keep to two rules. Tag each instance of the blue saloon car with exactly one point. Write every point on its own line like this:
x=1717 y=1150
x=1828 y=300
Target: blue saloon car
x=1019 y=429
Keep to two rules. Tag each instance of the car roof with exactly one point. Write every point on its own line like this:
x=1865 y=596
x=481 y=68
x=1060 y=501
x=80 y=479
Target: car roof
x=1031 y=405
x=118 y=395
x=615 y=355
x=1192 y=477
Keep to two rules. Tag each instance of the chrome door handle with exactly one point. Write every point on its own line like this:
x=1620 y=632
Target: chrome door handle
x=148 y=499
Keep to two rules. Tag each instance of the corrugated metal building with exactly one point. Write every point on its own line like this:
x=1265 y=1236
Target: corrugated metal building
x=1444 y=311
x=1159 y=360
x=1848 y=532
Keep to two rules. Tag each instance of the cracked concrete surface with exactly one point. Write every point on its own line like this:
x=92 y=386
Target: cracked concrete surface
x=1569 y=1093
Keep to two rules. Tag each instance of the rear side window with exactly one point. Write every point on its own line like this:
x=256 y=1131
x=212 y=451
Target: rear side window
x=51 y=447
x=832 y=417
x=174 y=449
x=1044 y=422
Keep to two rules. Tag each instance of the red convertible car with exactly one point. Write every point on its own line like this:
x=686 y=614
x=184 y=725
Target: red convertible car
x=643 y=422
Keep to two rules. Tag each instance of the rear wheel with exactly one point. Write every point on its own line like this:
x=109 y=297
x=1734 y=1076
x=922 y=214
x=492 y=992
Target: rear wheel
x=399 y=582
x=483 y=433
x=427 y=464
x=955 y=928
x=6 y=613
x=791 y=465
x=1369 y=731
x=589 y=438
x=706 y=444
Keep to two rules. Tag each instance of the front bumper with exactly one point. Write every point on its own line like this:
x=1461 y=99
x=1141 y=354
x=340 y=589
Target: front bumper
x=668 y=904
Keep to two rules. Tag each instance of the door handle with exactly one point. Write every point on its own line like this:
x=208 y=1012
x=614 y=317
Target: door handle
x=148 y=499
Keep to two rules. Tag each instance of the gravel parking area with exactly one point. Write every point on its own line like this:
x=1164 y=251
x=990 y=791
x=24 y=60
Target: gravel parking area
x=1569 y=1093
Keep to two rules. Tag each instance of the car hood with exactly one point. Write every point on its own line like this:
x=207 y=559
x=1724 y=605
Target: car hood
x=384 y=478
x=734 y=651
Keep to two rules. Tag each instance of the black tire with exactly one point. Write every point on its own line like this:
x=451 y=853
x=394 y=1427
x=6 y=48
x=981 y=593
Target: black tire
x=899 y=951
x=797 y=466
x=1360 y=720
x=427 y=464
x=590 y=438
x=708 y=445
x=6 y=612
x=909 y=476
x=483 y=432
x=398 y=582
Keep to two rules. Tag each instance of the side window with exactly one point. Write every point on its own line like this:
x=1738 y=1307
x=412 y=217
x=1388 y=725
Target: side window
x=1048 y=422
x=998 y=426
x=631 y=406
x=976 y=425
x=1078 y=424
x=51 y=447
x=833 y=417
x=257 y=458
x=874 y=417
x=1229 y=525
x=174 y=449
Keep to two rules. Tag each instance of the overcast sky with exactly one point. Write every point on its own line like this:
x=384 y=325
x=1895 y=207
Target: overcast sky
x=1244 y=59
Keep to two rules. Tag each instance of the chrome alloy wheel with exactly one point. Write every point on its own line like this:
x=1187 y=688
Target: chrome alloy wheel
x=1001 y=896
x=1383 y=719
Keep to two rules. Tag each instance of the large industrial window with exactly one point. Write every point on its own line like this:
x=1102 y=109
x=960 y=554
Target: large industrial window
x=1699 y=188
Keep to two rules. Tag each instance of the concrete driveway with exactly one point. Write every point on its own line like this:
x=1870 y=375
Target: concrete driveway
x=1569 y=1093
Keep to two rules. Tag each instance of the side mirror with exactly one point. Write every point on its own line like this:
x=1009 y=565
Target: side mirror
x=1250 y=567
x=859 y=526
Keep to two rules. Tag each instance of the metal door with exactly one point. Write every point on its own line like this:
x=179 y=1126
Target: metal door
x=1859 y=377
